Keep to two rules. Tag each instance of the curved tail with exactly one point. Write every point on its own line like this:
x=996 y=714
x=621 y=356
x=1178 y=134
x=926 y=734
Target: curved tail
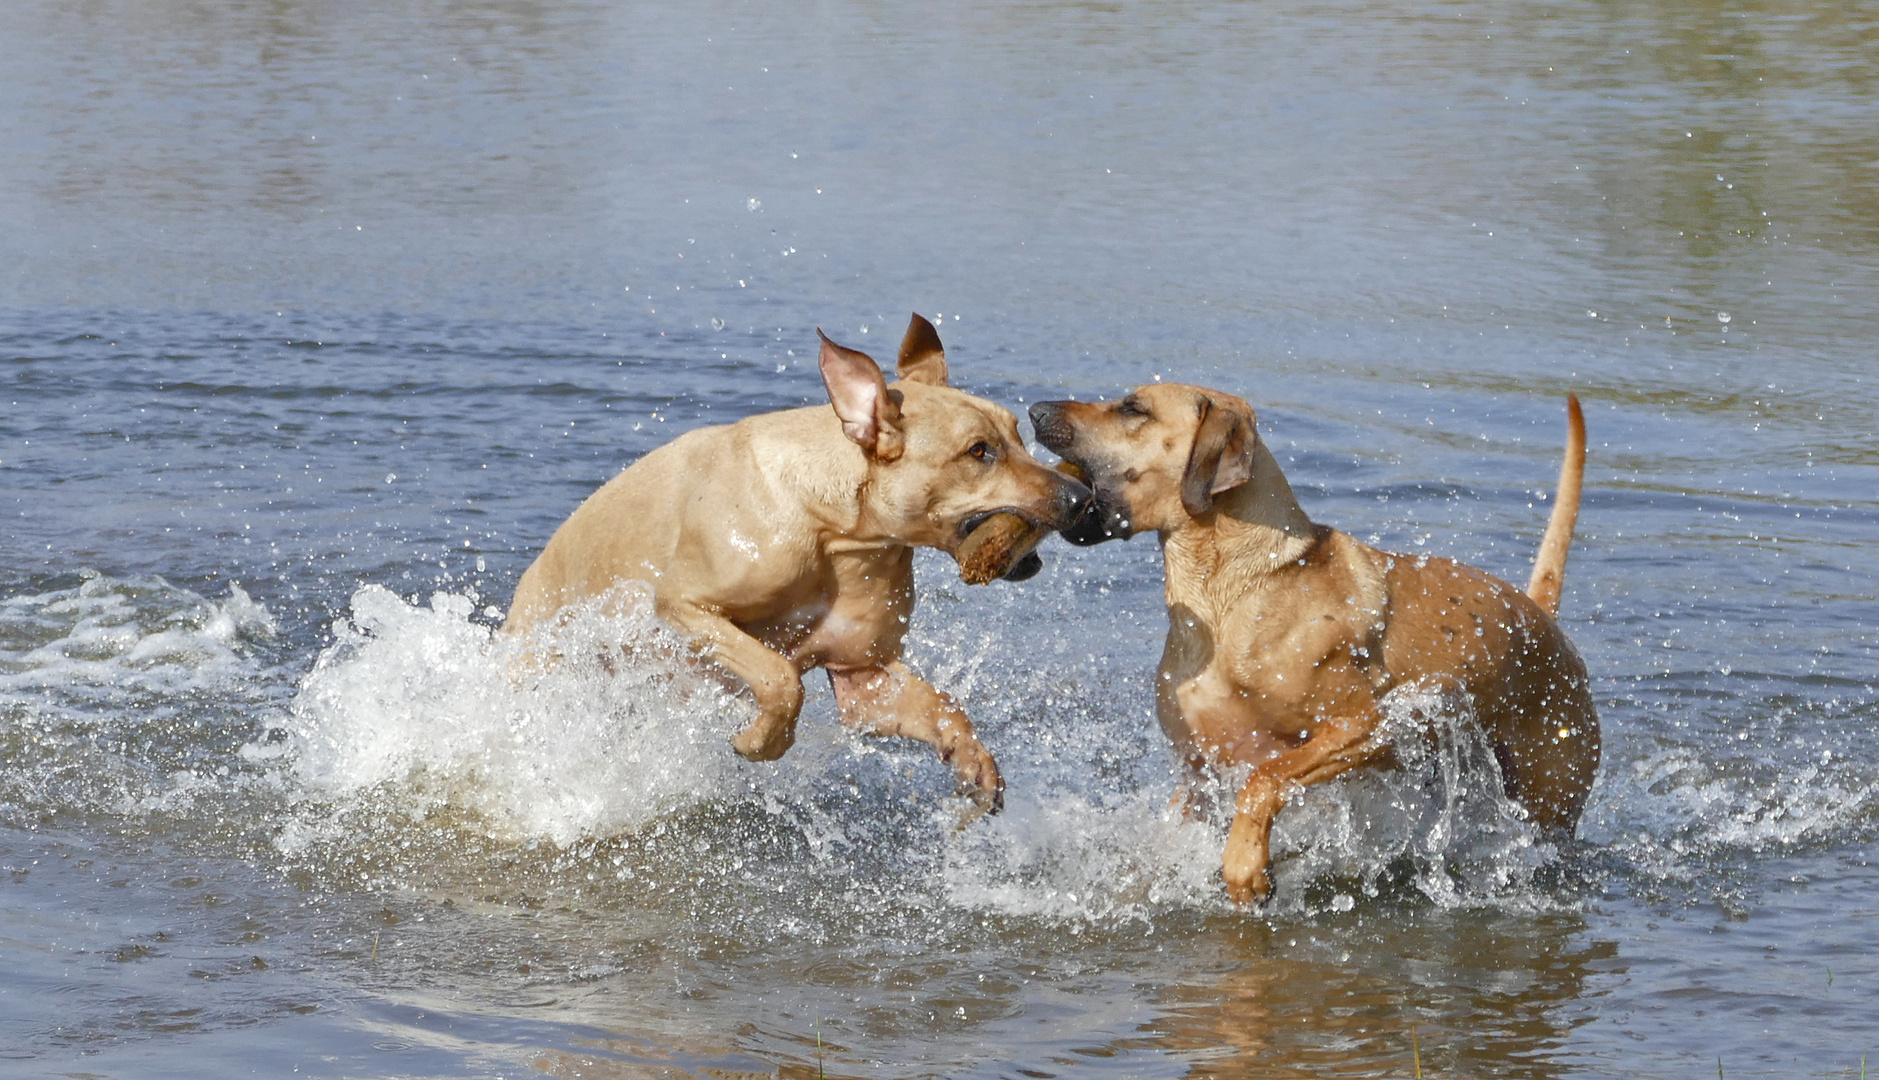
x=1549 y=566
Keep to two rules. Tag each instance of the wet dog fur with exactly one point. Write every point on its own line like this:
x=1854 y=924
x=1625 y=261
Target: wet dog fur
x=1284 y=635
x=784 y=542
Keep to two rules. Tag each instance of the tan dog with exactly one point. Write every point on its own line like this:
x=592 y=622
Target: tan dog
x=784 y=542
x=1284 y=635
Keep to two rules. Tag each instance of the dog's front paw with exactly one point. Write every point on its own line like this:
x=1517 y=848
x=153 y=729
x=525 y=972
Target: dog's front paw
x=1244 y=864
x=1250 y=890
x=764 y=742
x=978 y=777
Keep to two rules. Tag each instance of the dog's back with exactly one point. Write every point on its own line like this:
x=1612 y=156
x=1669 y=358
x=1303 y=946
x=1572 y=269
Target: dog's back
x=694 y=514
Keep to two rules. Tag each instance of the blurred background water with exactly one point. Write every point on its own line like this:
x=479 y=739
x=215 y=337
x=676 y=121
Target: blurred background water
x=317 y=317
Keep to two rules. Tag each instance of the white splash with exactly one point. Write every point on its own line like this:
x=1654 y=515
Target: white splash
x=429 y=702
x=1080 y=854
x=1069 y=855
x=1678 y=811
x=1444 y=812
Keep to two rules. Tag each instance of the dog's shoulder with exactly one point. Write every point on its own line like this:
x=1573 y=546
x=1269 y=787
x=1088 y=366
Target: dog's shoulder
x=787 y=448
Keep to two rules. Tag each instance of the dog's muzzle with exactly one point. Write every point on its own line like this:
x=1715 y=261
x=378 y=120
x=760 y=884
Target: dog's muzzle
x=1024 y=569
x=1092 y=523
x=1052 y=426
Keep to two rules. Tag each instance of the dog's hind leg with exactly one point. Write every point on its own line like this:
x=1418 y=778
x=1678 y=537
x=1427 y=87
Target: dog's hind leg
x=1335 y=747
x=772 y=678
x=892 y=700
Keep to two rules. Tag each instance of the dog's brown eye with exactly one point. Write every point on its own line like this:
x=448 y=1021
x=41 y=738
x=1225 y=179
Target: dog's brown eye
x=983 y=451
x=1130 y=407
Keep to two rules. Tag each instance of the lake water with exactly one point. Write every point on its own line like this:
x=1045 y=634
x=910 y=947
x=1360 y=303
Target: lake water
x=316 y=318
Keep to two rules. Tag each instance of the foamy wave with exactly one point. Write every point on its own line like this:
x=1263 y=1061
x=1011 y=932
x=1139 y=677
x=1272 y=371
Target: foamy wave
x=117 y=632
x=1682 y=810
x=93 y=680
x=424 y=702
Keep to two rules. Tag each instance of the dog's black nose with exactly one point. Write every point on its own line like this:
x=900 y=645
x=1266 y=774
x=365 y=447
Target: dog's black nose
x=1053 y=428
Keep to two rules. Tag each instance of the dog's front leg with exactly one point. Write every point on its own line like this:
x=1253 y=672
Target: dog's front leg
x=1336 y=746
x=892 y=700
x=772 y=678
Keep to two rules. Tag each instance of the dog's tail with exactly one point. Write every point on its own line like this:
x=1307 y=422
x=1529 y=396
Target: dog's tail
x=1549 y=567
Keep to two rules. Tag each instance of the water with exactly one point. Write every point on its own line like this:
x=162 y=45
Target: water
x=318 y=318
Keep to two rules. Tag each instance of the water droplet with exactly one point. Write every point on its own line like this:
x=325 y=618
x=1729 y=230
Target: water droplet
x=1722 y=317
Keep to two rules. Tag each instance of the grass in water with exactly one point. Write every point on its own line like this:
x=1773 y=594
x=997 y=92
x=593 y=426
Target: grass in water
x=1415 y=1050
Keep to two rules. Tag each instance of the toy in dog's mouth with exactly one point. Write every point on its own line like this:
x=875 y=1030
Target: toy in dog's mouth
x=1002 y=544
x=999 y=544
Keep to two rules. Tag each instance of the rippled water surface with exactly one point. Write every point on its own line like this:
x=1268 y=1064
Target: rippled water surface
x=316 y=318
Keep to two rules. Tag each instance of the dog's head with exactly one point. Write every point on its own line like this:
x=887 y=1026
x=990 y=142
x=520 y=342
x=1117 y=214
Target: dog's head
x=940 y=461
x=1156 y=458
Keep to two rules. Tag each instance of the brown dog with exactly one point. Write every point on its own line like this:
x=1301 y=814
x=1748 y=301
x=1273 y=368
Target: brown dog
x=784 y=542
x=1284 y=635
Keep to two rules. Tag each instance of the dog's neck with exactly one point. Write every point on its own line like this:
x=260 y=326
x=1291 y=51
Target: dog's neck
x=831 y=480
x=1252 y=531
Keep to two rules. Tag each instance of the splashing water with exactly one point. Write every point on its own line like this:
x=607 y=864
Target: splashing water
x=424 y=713
x=1443 y=817
x=430 y=704
x=420 y=711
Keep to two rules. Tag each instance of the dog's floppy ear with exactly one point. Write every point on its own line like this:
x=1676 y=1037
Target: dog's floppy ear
x=1222 y=457
x=870 y=418
x=922 y=357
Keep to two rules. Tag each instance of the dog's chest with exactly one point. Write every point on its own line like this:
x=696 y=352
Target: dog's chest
x=856 y=614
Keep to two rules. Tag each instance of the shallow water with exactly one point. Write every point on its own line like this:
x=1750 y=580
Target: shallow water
x=319 y=317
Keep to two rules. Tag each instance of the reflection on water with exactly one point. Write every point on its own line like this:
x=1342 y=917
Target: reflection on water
x=316 y=319
x=1335 y=1000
